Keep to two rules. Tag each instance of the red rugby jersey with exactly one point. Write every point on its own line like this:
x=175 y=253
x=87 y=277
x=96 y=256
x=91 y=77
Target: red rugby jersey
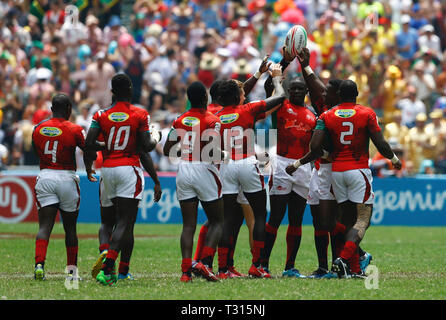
x=295 y=125
x=120 y=125
x=194 y=127
x=214 y=108
x=55 y=141
x=236 y=122
x=349 y=126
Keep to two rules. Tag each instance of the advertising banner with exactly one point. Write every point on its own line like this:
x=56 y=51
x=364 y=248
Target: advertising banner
x=404 y=202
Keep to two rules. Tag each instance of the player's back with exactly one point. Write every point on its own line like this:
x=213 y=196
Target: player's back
x=194 y=127
x=349 y=126
x=237 y=127
x=120 y=125
x=55 y=141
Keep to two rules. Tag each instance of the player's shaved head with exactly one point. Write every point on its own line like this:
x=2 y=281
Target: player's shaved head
x=61 y=105
x=214 y=91
x=121 y=87
x=229 y=93
x=348 y=91
x=197 y=95
x=332 y=96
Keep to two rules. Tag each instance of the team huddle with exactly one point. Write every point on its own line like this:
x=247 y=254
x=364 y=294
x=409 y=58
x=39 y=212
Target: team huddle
x=219 y=168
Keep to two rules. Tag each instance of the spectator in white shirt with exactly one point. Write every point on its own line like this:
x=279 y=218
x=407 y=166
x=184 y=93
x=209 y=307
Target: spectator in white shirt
x=410 y=107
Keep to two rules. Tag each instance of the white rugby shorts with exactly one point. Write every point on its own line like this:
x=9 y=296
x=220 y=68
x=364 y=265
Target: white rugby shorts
x=242 y=175
x=58 y=187
x=320 y=185
x=198 y=180
x=281 y=182
x=354 y=185
x=123 y=182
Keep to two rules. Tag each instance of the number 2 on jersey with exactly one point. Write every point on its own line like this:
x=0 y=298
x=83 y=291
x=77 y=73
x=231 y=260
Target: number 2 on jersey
x=115 y=140
x=349 y=132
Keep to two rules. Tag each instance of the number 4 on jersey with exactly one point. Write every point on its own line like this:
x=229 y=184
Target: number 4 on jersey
x=52 y=151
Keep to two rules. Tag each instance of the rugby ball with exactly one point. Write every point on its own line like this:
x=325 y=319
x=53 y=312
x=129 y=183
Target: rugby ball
x=295 y=40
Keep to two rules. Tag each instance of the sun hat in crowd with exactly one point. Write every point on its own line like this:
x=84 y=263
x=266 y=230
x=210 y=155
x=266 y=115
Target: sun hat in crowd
x=209 y=61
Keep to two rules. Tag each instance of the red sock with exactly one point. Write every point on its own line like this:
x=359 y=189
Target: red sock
x=41 y=248
x=123 y=267
x=258 y=246
x=207 y=256
x=293 y=238
x=349 y=250
x=222 y=258
x=186 y=264
x=354 y=263
x=110 y=259
x=72 y=255
x=337 y=236
x=200 y=243
x=103 y=247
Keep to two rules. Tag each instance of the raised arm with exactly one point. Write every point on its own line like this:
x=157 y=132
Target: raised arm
x=316 y=87
x=249 y=84
x=284 y=63
x=279 y=92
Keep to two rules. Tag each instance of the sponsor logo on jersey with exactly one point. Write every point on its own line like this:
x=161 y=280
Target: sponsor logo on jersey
x=118 y=116
x=50 y=131
x=345 y=113
x=190 y=121
x=228 y=118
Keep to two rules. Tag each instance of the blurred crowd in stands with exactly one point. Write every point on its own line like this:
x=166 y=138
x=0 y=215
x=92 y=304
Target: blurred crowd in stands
x=393 y=49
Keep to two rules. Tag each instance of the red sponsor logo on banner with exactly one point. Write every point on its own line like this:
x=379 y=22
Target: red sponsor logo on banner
x=17 y=199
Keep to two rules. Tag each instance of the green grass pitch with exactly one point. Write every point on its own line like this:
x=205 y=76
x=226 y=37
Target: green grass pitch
x=410 y=263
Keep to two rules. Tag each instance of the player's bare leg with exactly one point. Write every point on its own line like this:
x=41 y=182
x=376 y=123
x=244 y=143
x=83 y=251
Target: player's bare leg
x=47 y=216
x=356 y=218
x=189 y=210
x=321 y=241
x=232 y=215
x=126 y=212
x=278 y=204
x=108 y=221
x=249 y=219
x=257 y=201
x=214 y=213
x=238 y=222
x=296 y=209
x=69 y=220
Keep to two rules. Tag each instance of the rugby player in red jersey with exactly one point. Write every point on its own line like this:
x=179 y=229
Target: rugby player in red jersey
x=226 y=255
x=324 y=209
x=294 y=123
x=242 y=170
x=198 y=179
x=126 y=132
x=57 y=186
x=350 y=127
x=108 y=222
